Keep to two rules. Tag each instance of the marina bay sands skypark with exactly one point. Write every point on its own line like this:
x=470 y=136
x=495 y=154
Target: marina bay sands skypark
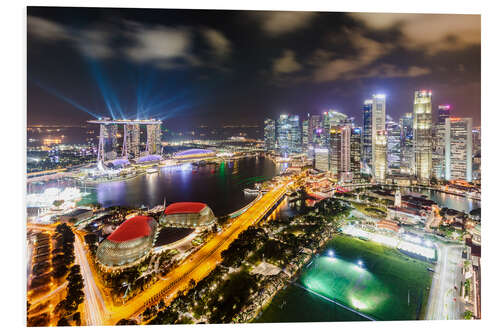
x=108 y=141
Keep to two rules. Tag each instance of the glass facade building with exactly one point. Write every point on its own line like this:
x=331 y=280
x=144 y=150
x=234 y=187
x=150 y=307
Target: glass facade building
x=393 y=147
x=407 y=158
x=458 y=149
x=289 y=138
x=438 y=141
x=270 y=134
x=380 y=156
x=422 y=134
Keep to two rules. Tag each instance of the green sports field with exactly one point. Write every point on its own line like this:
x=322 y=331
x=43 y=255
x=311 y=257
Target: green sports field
x=388 y=286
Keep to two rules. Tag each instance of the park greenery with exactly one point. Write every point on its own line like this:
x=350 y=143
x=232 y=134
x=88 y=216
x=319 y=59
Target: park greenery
x=63 y=255
x=74 y=297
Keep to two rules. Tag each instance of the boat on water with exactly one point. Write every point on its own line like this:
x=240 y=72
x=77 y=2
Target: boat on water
x=152 y=170
x=252 y=191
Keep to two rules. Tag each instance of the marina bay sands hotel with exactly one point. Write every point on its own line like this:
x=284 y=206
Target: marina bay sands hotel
x=108 y=142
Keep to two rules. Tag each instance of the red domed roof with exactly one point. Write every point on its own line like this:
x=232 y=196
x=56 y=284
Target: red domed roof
x=134 y=227
x=184 y=208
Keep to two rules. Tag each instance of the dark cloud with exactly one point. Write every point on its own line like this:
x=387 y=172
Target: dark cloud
x=244 y=66
x=278 y=23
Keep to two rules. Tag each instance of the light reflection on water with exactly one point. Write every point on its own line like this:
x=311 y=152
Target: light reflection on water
x=221 y=186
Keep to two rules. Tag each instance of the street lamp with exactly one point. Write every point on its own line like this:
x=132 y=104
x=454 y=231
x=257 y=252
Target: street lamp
x=360 y=263
x=331 y=253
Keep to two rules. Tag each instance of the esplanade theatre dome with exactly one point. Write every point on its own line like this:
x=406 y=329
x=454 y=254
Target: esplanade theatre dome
x=129 y=243
x=188 y=215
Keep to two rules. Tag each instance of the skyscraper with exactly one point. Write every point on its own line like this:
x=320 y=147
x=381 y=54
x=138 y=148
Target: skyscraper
x=330 y=119
x=476 y=140
x=393 y=147
x=350 y=153
x=422 y=135
x=476 y=153
x=345 y=153
x=314 y=129
x=355 y=153
x=335 y=151
x=321 y=159
x=407 y=158
x=295 y=135
x=367 y=136
x=289 y=135
x=305 y=134
x=373 y=122
x=270 y=134
x=438 y=141
x=380 y=156
x=458 y=149
x=282 y=135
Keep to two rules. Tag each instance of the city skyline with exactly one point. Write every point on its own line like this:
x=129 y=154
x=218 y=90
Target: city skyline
x=220 y=166
x=215 y=63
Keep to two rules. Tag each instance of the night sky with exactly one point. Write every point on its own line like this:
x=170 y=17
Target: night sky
x=193 y=67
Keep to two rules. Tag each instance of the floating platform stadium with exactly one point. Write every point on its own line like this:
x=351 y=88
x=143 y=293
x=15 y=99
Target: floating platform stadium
x=196 y=215
x=192 y=154
x=129 y=243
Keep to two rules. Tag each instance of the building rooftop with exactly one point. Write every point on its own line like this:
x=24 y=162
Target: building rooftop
x=184 y=208
x=149 y=158
x=193 y=152
x=132 y=228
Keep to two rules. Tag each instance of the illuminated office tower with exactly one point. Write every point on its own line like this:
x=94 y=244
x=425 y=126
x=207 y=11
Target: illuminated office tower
x=476 y=153
x=373 y=122
x=283 y=133
x=355 y=153
x=315 y=130
x=295 y=135
x=476 y=140
x=366 y=152
x=380 y=156
x=407 y=157
x=331 y=118
x=324 y=132
x=393 y=147
x=289 y=135
x=335 y=151
x=321 y=159
x=350 y=153
x=305 y=134
x=270 y=134
x=438 y=142
x=345 y=152
x=422 y=134
x=458 y=149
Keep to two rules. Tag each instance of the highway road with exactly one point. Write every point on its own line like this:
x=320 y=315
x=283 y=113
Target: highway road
x=444 y=299
x=95 y=309
x=198 y=265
